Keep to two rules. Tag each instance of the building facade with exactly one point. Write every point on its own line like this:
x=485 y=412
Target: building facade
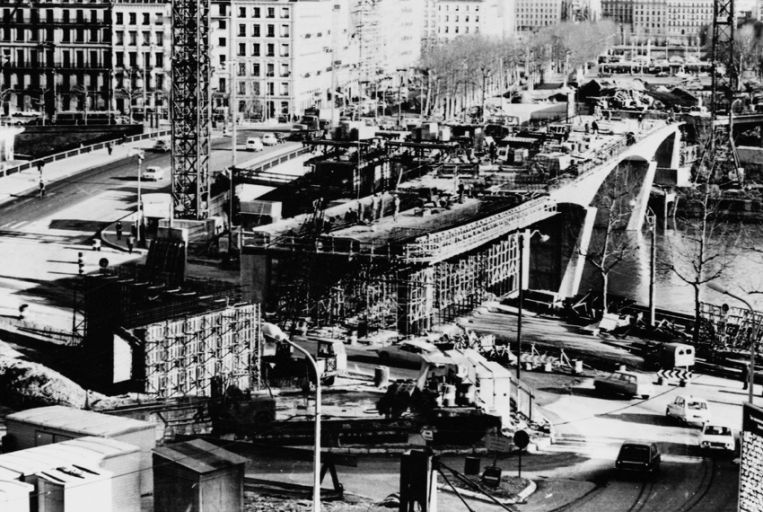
x=457 y=18
x=56 y=56
x=674 y=22
x=142 y=47
x=532 y=15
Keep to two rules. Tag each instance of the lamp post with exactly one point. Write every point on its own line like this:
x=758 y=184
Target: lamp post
x=522 y=235
x=755 y=330
x=140 y=156
x=652 y=220
x=317 y=448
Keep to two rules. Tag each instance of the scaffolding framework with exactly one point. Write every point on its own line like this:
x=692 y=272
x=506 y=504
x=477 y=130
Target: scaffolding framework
x=723 y=85
x=182 y=356
x=190 y=109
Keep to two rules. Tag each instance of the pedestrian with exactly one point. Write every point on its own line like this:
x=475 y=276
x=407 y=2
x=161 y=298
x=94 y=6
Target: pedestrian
x=118 y=228
x=396 y=201
x=130 y=243
x=39 y=167
x=745 y=376
x=110 y=147
x=493 y=150
x=587 y=128
x=380 y=212
x=360 y=212
x=42 y=188
x=595 y=127
x=374 y=206
x=133 y=230
x=461 y=190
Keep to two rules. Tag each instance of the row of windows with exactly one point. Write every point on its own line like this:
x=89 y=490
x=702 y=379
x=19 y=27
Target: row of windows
x=78 y=35
x=66 y=16
x=155 y=82
x=65 y=58
x=464 y=30
x=256 y=49
x=456 y=7
x=145 y=59
x=145 y=18
x=243 y=87
x=257 y=12
x=270 y=30
x=257 y=68
x=466 y=19
x=145 y=39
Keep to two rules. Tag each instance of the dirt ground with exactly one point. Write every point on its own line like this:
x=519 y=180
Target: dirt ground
x=258 y=503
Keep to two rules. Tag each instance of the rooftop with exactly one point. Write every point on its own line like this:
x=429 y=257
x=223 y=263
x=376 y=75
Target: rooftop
x=200 y=456
x=76 y=420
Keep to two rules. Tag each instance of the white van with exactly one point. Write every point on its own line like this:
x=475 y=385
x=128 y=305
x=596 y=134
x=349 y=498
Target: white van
x=625 y=383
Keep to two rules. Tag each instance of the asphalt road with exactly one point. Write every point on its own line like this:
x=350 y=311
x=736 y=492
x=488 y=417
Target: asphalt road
x=118 y=179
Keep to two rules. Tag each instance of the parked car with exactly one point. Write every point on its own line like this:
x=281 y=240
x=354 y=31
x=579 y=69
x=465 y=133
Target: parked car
x=638 y=457
x=161 y=146
x=689 y=409
x=717 y=437
x=254 y=144
x=408 y=352
x=269 y=139
x=625 y=383
x=152 y=174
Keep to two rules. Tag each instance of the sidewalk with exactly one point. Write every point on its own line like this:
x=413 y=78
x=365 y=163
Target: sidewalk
x=27 y=182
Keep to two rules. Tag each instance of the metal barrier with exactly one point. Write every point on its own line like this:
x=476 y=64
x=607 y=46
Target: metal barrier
x=80 y=151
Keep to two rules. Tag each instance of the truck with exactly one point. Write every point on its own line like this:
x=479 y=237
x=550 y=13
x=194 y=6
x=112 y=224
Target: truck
x=315 y=120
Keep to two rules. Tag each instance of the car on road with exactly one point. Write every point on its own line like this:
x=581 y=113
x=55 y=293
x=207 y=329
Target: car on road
x=408 y=352
x=663 y=74
x=717 y=437
x=269 y=139
x=625 y=383
x=688 y=409
x=152 y=174
x=254 y=144
x=638 y=457
x=161 y=146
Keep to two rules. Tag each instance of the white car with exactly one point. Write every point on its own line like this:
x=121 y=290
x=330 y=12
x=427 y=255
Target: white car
x=254 y=144
x=152 y=174
x=717 y=437
x=408 y=352
x=269 y=139
x=689 y=409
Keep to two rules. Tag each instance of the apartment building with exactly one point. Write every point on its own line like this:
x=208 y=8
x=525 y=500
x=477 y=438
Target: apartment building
x=57 y=56
x=675 y=22
x=142 y=47
x=532 y=15
x=468 y=17
x=581 y=10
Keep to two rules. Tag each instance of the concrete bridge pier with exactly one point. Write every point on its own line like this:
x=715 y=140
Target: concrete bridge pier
x=573 y=271
x=641 y=199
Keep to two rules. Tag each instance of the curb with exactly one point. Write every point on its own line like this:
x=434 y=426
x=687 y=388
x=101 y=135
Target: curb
x=521 y=496
x=397 y=450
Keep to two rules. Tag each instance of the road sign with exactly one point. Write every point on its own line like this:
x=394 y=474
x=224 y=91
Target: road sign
x=497 y=443
x=521 y=439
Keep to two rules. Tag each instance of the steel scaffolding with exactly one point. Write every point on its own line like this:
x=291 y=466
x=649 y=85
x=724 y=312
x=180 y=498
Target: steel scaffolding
x=190 y=109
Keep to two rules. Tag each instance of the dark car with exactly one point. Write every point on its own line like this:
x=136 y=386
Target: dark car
x=638 y=457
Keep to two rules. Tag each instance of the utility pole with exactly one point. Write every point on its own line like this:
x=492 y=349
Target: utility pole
x=652 y=218
x=234 y=113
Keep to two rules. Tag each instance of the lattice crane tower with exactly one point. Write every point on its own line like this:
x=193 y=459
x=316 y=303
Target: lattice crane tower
x=190 y=106
x=723 y=54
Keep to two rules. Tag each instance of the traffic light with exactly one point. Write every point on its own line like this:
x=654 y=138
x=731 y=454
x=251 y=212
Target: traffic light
x=80 y=263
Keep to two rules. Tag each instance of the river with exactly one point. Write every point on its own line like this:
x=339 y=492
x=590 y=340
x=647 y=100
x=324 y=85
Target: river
x=734 y=243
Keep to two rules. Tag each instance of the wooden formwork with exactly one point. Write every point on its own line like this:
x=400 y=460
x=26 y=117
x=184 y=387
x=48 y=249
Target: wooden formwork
x=181 y=356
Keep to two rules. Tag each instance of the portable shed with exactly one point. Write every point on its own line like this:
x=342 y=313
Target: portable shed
x=73 y=489
x=54 y=424
x=15 y=496
x=197 y=476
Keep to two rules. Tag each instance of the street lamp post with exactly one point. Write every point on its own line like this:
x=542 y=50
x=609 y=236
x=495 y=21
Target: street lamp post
x=652 y=220
x=317 y=447
x=522 y=235
x=754 y=335
x=140 y=156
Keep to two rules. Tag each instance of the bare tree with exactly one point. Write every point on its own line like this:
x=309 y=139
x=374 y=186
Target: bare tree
x=609 y=246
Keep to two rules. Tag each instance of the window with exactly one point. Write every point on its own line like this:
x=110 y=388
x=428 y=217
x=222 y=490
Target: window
x=221 y=84
x=256 y=69
x=284 y=89
x=242 y=30
x=146 y=38
x=242 y=69
x=160 y=60
x=133 y=38
x=221 y=24
x=120 y=59
x=120 y=37
x=271 y=31
x=120 y=18
x=284 y=30
x=285 y=13
x=242 y=12
x=159 y=19
x=133 y=18
x=256 y=12
x=270 y=70
x=242 y=88
x=159 y=37
x=221 y=42
x=93 y=35
x=284 y=50
x=256 y=88
x=271 y=89
x=271 y=50
x=256 y=49
x=222 y=61
x=284 y=70
x=255 y=31
x=133 y=59
x=271 y=12
x=146 y=18
x=241 y=49
x=66 y=38
x=80 y=35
